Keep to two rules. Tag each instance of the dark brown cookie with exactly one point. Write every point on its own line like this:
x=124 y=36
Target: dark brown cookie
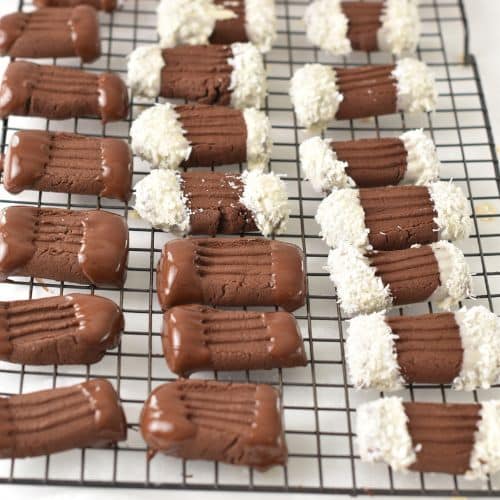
x=107 y=5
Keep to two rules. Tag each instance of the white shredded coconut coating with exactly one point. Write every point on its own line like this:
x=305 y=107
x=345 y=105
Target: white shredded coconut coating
x=454 y=275
x=416 y=86
x=327 y=25
x=260 y=23
x=259 y=143
x=358 y=289
x=188 y=22
x=321 y=166
x=144 y=67
x=158 y=137
x=160 y=200
x=315 y=96
x=248 y=78
x=371 y=354
x=342 y=219
x=383 y=433
x=265 y=195
x=485 y=456
x=400 y=28
x=480 y=334
x=452 y=208
x=422 y=161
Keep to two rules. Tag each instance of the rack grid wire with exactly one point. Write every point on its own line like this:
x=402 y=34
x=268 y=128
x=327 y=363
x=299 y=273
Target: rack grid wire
x=319 y=404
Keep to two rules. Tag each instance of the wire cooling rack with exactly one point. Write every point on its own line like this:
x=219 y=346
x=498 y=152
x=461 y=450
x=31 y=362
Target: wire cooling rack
x=319 y=404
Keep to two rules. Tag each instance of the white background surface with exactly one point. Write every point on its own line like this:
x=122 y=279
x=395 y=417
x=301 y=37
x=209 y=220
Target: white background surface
x=483 y=18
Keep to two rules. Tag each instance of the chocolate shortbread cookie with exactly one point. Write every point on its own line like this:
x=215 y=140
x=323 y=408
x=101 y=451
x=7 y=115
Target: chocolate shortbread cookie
x=106 y=5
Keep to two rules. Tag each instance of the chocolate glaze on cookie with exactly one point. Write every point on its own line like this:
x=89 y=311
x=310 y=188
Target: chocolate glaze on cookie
x=107 y=5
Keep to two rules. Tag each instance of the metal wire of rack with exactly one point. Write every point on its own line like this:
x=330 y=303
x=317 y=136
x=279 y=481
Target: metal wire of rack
x=319 y=404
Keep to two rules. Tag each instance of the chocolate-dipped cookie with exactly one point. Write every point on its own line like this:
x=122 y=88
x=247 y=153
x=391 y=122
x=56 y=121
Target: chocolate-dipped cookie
x=340 y=27
x=213 y=202
x=68 y=163
x=54 y=32
x=322 y=93
x=234 y=423
x=208 y=74
x=30 y=89
x=44 y=422
x=410 y=158
x=199 y=135
x=231 y=272
x=194 y=22
x=431 y=437
x=66 y=245
x=460 y=348
x=394 y=218
x=106 y=5
x=378 y=280
x=197 y=338
x=70 y=329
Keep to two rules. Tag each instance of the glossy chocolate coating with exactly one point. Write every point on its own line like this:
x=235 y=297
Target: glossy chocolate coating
x=70 y=329
x=364 y=23
x=68 y=163
x=45 y=422
x=373 y=162
x=429 y=347
x=30 y=89
x=444 y=434
x=367 y=91
x=228 y=422
x=399 y=217
x=54 y=32
x=231 y=272
x=198 y=73
x=107 y=5
x=230 y=30
x=65 y=245
x=197 y=338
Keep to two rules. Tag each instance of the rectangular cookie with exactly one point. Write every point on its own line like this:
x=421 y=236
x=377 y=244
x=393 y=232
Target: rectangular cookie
x=394 y=217
x=213 y=202
x=234 y=423
x=322 y=93
x=198 y=135
x=231 y=272
x=208 y=74
x=30 y=89
x=88 y=246
x=45 y=422
x=54 y=32
x=62 y=330
x=386 y=352
x=431 y=437
x=106 y=5
x=374 y=281
x=68 y=163
x=197 y=338
x=410 y=158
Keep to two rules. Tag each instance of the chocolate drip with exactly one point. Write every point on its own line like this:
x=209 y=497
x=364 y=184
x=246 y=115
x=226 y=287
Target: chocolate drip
x=228 y=422
x=373 y=162
x=230 y=30
x=214 y=203
x=367 y=90
x=107 y=5
x=64 y=245
x=429 y=347
x=364 y=23
x=198 y=73
x=68 y=163
x=197 y=338
x=399 y=217
x=218 y=135
x=231 y=272
x=30 y=89
x=412 y=274
x=444 y=434
x=45 y=422
x=72 y=329
x=55 y=32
